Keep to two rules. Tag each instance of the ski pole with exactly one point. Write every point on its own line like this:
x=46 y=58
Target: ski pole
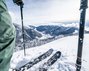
x=83 y=7
x=23 y=36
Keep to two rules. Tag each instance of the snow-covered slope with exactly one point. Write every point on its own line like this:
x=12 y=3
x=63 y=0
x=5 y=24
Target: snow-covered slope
x=68 y=47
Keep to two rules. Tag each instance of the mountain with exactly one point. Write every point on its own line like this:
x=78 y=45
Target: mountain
x=32 y=32
x=42 y=34
x=29 y=33
x=56 y=30
x=68 y=47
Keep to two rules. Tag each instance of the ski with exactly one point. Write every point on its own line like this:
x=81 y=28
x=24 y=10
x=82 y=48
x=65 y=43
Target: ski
x=51 y=61
x=35 y=61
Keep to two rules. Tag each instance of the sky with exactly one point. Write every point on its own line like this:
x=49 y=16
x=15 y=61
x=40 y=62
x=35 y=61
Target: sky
x=46 y=11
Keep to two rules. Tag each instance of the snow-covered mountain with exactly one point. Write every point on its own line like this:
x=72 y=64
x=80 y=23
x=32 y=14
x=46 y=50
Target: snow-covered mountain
x=42 y=34
x=67 y=46
x=56 y=30
x=34 y=32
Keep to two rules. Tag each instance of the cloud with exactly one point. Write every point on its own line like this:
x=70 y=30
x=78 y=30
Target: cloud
x=52 y=10
x=45 y=11
x=15 y=17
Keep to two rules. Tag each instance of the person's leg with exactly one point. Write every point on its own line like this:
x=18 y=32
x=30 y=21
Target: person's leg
x=7 y=37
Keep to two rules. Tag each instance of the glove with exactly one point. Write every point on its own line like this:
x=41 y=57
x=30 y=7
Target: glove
x=18 y=2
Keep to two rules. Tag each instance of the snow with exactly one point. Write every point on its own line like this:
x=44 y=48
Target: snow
x=68 y=47
x=87 y=28
x=45 y=36
x=76 y=25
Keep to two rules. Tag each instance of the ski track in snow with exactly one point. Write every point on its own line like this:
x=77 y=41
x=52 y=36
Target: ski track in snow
x=68 y=47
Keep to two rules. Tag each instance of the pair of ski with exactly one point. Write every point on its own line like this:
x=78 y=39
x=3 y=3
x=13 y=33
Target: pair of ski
x=46 y=65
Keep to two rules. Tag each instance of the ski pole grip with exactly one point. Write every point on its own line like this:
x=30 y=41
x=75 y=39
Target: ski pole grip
x=21 y=5
x=84 y=4
x=18 y=2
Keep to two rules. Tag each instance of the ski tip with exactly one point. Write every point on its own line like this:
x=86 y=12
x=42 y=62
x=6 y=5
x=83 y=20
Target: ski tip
x=58 y=53
x=51 y=49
